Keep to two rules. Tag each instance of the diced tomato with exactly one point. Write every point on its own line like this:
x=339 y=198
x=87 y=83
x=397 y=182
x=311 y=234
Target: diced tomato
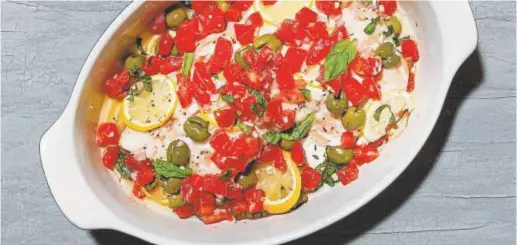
x=268 y=2
x=191 y=188
x=225 y=117
x=202 y=78
x=348 y=173
x=245 y=108
x=410 y=50
x=152 y=65
x=377 y=143
x=222 y=56
x=264 y=57
x=274 y=109
x=234 y=73
x=116 y=86
x=233 y=14
x=185 y=211
x=411 y=82
x=214 y=185
x=255 y=20
x=310 y=179
x=212 y=20
x=239 y=206
x=109 y=159
x=135 y=165
x=200 y=6
x=243 y=5
x=186 y=37
x=157 y=25
x=389 y=6
x=294 y=58
x=217 y=216
x=294 y=96
x=291 y=32
x=306 y=16
x=270 y=153
x=244 y=33
x=184 y=92
x=339 y=33
x=219 y=160
x=331 y=8
x=318 y=51
x=317 y=31
x=372 y=88
x=171 y=64
x=221 y=142
x=144 y=176
x=137 y=191
x=348 y=140
x=297 y=153
x=237 y=163
x=354 y=91
x=366 y=66
x=366 y=154
x=255 y=199
x=234 y=191
x=165 y=44
x=284 y=78
x=287 y=119
x=107 y=134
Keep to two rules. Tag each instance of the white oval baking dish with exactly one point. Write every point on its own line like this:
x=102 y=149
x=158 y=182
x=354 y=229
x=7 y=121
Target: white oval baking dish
x=90 y=199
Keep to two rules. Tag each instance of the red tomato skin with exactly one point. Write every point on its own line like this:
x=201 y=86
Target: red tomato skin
x=185 y=36
x=212 y=21
x=171 y=64
x=348 y=174
x=270 y=153
x=234 y=191
x=255 y=199
x=372 y=88
x=200 y=6
x=243 y=5
x=213 y=184
x=366 y=66
x=294 y=58
x=165 y=44
x=354 y=91
x=318 y=52
x=225 y=118
x=268 y=2
x=135 y=165
x=221 y=142
x=107 y=134
x=233 y=14
x=115 y=86
x=366 y=154
x=217 y=216
x=255 y=20
x=331 y=8
x=310 y=179
x=390 y=6
x=205 y=205
x=191 y=188
x=411 y=82
x=291 y=32
x=306 y=16
x=152 y=65
x=284 y=78
x=109 y=159
x=144 y=176
x=185 y=211
x=410 y=50
x=317 y=31
x=137 y=191
x=348 y=140
x=244 y=33
x=297 y=153
x=291 y=96
x=157 y=25
x=339 y=33
x=222 y=56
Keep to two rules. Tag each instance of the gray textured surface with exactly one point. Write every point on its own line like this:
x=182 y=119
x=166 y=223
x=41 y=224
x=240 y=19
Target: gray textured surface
x=459 y=190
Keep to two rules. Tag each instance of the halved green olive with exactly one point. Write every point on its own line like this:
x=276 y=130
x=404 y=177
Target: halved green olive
x=339 y=155
x=267 y=39
x=394 y=22
x=354 y=118
x=170 y=186
x=385 y=50
x=134 y=61
x=239 y=59
x=196 y=128
x=175 y=51
x=178 y=152
x=336 y=105
x=287 y=144
x=247 y=181
x=391 y=61
x=175 y=201
x=223 y=5
x=176 y=17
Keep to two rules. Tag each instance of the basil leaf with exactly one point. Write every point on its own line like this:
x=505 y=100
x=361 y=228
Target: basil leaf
x=227 y=98
x=170 y=170
x=377 y=114
x=306 y=93
x=338 y=59
x=121 y=167
x=244 y=128
x=188 y=59
x=272 y=137
x=301 y=129
x=148 y=85
x=370 y=28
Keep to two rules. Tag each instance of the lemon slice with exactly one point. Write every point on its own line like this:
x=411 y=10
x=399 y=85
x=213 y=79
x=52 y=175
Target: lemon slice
x=281 y=10
x=209 y=117
x=282 y=189
x=111 y=112
x=156 y=195
x=150 y=110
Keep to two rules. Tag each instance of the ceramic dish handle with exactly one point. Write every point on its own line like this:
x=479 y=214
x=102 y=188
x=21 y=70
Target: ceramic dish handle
x=66 y=181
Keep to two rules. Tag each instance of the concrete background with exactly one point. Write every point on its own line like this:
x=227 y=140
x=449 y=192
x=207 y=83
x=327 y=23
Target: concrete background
x=459 y=190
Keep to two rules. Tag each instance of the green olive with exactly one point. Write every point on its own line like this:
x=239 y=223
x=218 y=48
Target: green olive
x=196 y=128
x=134 y=61
x=395 y=24
x=267 y=39
x=287 y=144
x=175 y=51
x=175 y=201
x=239 y=59
x=223 y=5
x=176 y=17
x=392 y=61
x=247 y=181
x=336 y=105
x=178 y=153
x=170 y=186
x=385 y=50
x=354 y=118
x=339 y=155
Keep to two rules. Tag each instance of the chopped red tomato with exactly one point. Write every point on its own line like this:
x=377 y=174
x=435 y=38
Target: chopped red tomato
x=348 y=173
x=212 y=21
x=294 y=96
x=411 y=82
x=297 y=153
x=116 y=86
x=366 y=67
x=243 y=5
x=255 y=20
x=109 y=159
x=348 y=140
x=366 y=154
x=138 y=191
x=152 y=65
x=135 y=165
x=214 y=185
x=202 y=78
x=186 y=36
x=306 y=16
x=372 y=88
x=233 y=14
x=294 y=58
x=291 y=32
x=234 y=191
x=255 y=199
x=339 y=33
x=270 y=153
x=268 y=2
x=171 y=64
x=222 y=56
x=318 y=51
x=311 y=179
x=221 y=142
x=217 y=216
x=200 y=6
x=331 y=8
x=225 y=117
x=284 y=77
x=184 y=92
x=317 y=31
x=244 y=33
x=410 y=50
x=185 y=211
x=107 y=134
x=191 y=188
x=237 y=163
x=388 y=6
x=233 y=73
x=378 y=142
x=157 y=25
x=144 y=176
x=165 y=44
x=354 y=91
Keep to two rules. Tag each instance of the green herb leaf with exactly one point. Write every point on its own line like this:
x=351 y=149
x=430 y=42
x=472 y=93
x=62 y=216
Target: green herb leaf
x=121 y=167
x=377 y=114
x=132 y=93
x=306 y=93
x=138 y=42
x=370 y=28
x=188 y=59
x=272 y=137
x=170 y=170
x=141 y=76
x=259 y=96
x=338 y=59
x=147 y=85
x=301 y=129
x=227 y=98
x=245 y=128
